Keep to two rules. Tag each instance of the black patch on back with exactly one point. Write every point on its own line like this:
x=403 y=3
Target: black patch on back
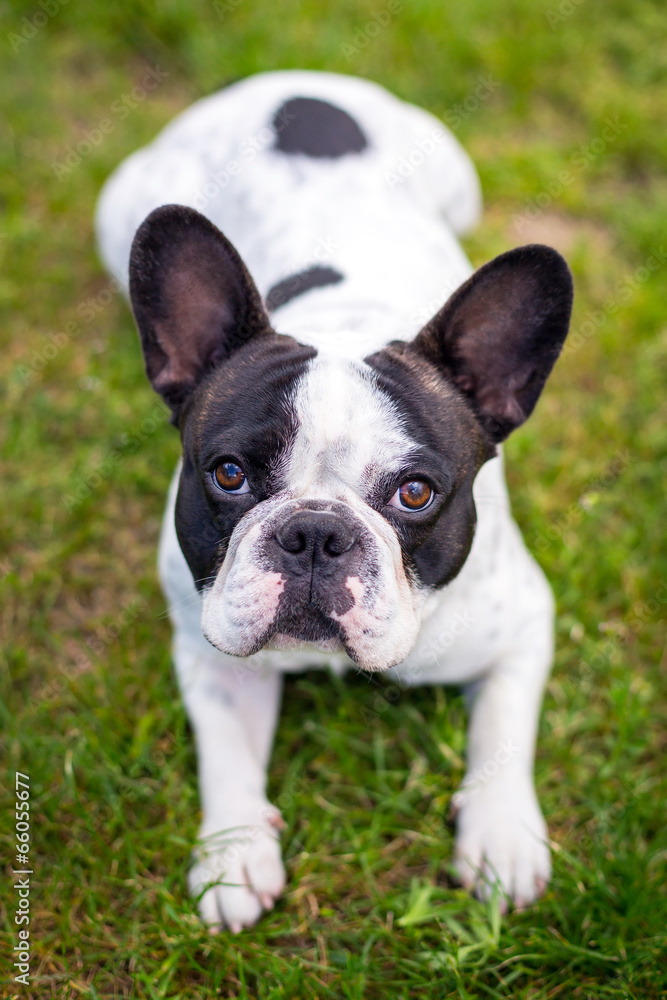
x=316 y=128
x=287 y=289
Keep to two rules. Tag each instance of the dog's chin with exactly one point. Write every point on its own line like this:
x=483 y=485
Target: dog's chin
x=311 y=630
x=302 y=640
x=306 y=628
x=283 y=642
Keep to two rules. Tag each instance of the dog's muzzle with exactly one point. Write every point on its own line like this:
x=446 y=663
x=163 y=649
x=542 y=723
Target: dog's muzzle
x=318 y=572
x=315 y=551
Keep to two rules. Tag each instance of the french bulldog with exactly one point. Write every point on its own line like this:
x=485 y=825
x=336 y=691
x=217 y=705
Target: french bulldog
x=342 y=382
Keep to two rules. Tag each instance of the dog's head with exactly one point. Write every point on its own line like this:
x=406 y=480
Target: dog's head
x=322 y=500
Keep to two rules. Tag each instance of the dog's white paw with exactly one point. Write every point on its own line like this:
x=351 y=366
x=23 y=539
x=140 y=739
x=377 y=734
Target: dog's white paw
x=502 y=840
x=238 y=871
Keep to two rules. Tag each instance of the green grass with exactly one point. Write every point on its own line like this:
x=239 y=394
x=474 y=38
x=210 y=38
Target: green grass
x=364 y=778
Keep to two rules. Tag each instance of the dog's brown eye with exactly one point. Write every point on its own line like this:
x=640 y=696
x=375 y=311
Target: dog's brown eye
x=230 y=477
x=413 y=494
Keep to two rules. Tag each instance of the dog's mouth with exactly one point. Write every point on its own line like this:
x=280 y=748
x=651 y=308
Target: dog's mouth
x=296 y=626
x=307 y=623
x=319 y=580
x=280 y=642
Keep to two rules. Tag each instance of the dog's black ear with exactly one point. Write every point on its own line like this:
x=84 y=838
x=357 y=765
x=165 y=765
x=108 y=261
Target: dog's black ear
x=500 y=333
x=193 y=300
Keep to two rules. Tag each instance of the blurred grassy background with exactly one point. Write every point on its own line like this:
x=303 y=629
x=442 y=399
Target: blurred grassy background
x=89 y=707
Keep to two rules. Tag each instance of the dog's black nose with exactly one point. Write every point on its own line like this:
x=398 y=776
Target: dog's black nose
x=316 y=536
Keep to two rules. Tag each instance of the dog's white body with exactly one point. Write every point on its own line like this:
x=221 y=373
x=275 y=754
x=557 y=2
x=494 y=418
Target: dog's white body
x=491 y=628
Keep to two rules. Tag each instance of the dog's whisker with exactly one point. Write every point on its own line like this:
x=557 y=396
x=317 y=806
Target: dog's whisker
x=188 y=601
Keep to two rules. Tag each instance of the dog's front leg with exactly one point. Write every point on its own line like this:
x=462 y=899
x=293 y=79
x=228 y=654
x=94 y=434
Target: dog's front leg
x=237 y=871
x=501 y=833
